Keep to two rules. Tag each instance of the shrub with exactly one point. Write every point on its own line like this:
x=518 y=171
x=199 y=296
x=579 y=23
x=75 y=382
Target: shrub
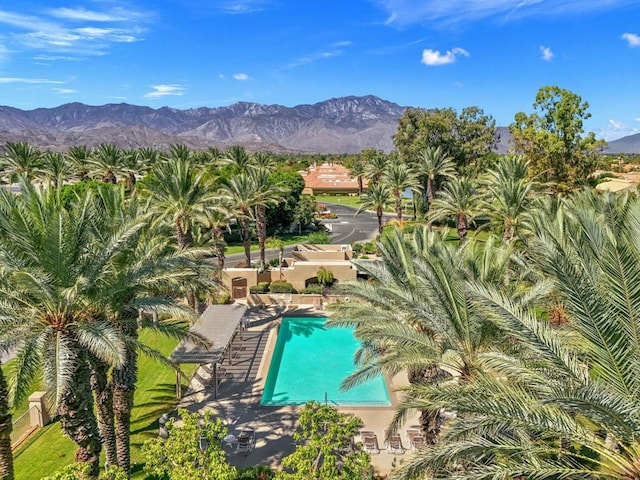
x=319 y=238
x=369 y=248
x=314 y=289
x=261 y=287
x=325 y=277
x=281 y=287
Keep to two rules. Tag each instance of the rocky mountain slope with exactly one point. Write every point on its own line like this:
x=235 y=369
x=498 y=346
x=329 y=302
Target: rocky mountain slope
x=338 y=125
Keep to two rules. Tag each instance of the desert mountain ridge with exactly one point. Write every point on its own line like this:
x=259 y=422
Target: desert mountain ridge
x=335 y=126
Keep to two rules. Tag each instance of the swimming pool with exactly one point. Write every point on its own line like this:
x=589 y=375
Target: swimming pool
x=310 y=362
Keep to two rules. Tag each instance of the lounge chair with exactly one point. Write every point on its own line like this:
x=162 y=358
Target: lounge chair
x=415 y=438
x=418 y=441
x=246 y=440
x=394 y=444
x=370 y=442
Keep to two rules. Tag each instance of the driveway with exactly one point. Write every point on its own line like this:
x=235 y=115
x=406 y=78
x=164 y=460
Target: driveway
x=347 y=228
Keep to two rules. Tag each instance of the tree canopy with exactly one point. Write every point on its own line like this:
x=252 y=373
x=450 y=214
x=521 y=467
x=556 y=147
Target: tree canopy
x=552 y=138
x=466 y=137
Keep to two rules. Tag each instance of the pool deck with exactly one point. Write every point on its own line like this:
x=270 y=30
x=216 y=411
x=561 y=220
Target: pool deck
x=238 y=402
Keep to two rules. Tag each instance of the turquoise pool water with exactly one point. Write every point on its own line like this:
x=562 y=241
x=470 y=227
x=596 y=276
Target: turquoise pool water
x=310 y=361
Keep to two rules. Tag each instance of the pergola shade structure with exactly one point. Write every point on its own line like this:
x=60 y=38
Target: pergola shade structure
x=218 y=326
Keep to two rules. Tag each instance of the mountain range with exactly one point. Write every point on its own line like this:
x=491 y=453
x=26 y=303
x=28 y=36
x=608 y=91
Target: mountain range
x=338 y=125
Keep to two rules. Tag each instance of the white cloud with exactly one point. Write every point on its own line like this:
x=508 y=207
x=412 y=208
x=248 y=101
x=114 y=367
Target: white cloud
x=546 y=53
x=68 y=32
x=616 y=129
x=344 y=43
x=242 y=6
x=241 y=76
x=637 y=119
x=31 y=81
x=165 y=90
x=64 y=91
x=633 y=40
x=313 y=57
x=83 y=14
x=221 y=75
x=435 y=58
x=450 y=12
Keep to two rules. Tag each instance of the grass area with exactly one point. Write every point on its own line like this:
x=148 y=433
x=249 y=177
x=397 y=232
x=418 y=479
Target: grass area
x=50 y=450
x=353 y=201
x=288 y=238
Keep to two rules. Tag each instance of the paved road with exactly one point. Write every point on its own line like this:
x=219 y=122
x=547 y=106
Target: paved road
x=347 y=228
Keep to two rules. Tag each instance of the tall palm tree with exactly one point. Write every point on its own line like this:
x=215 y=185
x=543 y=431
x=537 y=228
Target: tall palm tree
x=266 y=193
x=145 y=274
x=147 y=159
x=432 y=164
x=458 y=199
x=177 y=193
x=377 y=198
x=357 y=171
x=239 y=191
x=566 y=406
x=263 y=161
x=376 y=167
x=218 y=220
x=106 y=162
x=6 y=426
x=237 y=157
x=49 y=307
x=508 y=194
x=79 y=157
x=398 y=177
x=54 y=169
x=417 y=314
x=19 y=159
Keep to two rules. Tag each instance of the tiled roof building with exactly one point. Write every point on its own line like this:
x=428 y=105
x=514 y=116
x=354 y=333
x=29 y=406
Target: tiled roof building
x=330 y=178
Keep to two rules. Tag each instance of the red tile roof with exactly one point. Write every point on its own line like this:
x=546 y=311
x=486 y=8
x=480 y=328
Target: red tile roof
x=330 y=177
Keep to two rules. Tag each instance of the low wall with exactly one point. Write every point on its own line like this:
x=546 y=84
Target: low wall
x=294 y=299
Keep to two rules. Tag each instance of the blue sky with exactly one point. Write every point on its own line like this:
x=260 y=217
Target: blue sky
x=434 y=53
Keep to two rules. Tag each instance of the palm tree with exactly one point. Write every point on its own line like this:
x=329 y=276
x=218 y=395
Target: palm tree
x=508 y=194
x=19 y=159
x=357 y=171
x=54 y=169
x=106 y=162
x=376 y=167
x=277 y=242
x=218 y=220
x=417 y=315
x=265 y=193
x=377 y=198
x=239 y=190
x=6 y=426
x=145 y=274
x=49 y=308
x=264 y=161
x=178 y=193
x=79 y=157
x=432 y=163
x=237 y=157
x=398 y=177
x=147 y=159
x=458 y=199
x=565 y=406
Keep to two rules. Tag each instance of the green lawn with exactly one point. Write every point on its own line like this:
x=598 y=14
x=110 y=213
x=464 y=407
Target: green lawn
x=353 y=201
x=288 y=238
x=49 y=450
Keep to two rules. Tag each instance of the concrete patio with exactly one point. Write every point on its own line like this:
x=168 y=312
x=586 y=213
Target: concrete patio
x=239 y=393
